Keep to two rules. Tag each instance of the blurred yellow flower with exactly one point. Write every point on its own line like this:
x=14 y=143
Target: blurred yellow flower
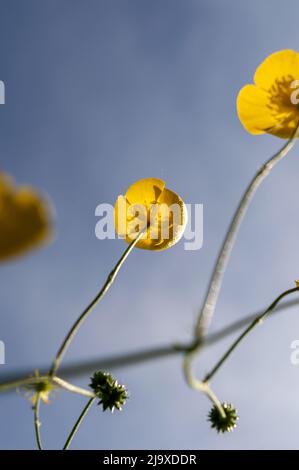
x=42 y=388
x=43 y=394
x=271 y=104
x=150 y=207
x=25 y=219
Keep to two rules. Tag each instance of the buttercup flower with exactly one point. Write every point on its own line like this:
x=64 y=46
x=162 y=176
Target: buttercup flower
x=271 y=104
x=157 y=211
x=25 y=220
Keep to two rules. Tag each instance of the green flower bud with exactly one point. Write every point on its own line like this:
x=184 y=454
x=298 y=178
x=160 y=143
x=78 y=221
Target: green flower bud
x=221 y=424
x=108 y=390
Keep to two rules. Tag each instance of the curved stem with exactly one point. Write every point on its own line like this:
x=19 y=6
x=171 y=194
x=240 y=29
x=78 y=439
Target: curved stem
x=211 y=298
x=72 y=388
x=37 y=422
x=109 y=281
x=257 y=321
x=202 y=387
x=19 y=378
x=78 y=423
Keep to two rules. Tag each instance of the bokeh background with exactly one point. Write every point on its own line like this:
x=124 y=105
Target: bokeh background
x=100 y=93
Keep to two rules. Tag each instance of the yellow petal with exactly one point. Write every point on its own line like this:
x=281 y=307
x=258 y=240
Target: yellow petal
x=121 y=215
x=25 y=219
x=145 y=191
x=283 y=63
x=254 y=111
x=178 y=219
x=128 y=222
x=44 y=396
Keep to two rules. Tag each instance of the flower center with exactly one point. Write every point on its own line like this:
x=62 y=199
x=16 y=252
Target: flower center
x=283 y=96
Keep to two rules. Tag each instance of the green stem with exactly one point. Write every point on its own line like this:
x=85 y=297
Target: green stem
x=109 y=281
x=258 y=320
x=27 y=381
x=71 y=387
x=37 y=422
x=200 y=386
x=78 y=423
x=18 y=378
x=207 y=311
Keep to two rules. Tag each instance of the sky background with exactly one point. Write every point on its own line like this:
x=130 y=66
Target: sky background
x=100 y=93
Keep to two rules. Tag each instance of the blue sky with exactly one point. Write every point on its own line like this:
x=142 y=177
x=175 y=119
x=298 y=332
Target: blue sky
x=100 y=94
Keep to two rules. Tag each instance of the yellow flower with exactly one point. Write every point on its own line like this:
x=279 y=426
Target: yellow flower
x=150 y=207
x=42 y=388
x=25 y=219
x=43 y=394
x=271 y=105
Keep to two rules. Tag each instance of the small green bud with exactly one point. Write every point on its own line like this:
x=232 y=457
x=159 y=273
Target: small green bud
x=221 y=424
x=108 y=390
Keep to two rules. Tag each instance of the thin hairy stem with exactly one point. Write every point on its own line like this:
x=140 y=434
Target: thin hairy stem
x=78 y=423
x=37 y=422
x=223 y=333
x=109 y=281
x=207 y=311
x=56 y=381
x=257 y=321
x=72 y=388
x=18 y=378
x=200 y=386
